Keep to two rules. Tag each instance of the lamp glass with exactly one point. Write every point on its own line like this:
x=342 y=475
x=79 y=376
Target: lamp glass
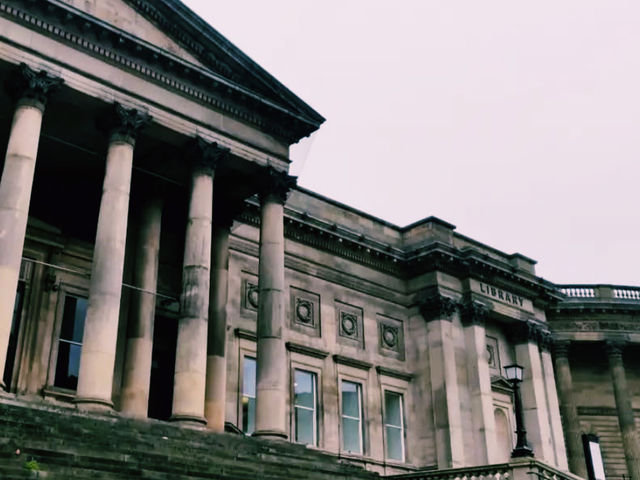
x=513 y=372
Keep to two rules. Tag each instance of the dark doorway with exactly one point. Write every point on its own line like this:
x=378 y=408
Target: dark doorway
x=162 y=367
x=13 y=337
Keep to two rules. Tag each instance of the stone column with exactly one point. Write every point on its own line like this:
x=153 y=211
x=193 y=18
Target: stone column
x=473 y=316
x=437 y=310
x=272 y=372
x=555 y=421
x=534 y=398
x=191 y=348
x=216 y=389
x=97 y=360
x=569 y=409
x=624 y=408
x=137 y=367
x=31 y=90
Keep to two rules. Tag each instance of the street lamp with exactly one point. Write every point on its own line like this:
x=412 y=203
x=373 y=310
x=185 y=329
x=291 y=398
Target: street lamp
x=513 y=373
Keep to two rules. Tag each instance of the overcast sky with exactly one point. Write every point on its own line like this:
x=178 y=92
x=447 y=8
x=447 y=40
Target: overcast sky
x=518 y=122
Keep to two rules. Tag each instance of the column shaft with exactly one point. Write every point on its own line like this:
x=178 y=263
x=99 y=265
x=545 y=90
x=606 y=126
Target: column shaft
x=569 y=411
x=95 y=380
x=536 y=412
x=137 y=368
x=15 y=196
x=216 y=390
x=271 y=374
x=555 y=422
x=625 y=411
x=191 y=349
x=445 y=394
x=481 y=395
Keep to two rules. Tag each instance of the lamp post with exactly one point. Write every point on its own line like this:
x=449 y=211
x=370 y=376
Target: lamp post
x=513 y=373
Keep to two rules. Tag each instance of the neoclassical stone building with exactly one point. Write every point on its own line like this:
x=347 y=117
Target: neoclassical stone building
x=158 y=261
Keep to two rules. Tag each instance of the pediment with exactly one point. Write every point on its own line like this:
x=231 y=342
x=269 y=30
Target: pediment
x=123 y=16
x=166 y=43
x=501 y=384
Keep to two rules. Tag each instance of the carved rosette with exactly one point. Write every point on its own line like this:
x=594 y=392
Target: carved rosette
x=31 y=87
x=304 y=311
x=437 y=307
x=123 y=124
x=275 y=185
x=473 y=313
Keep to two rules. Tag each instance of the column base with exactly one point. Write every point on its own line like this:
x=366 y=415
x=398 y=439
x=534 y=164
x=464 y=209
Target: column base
x=94 y=404
x=189 y=420
x=270 y=434
x=521 y=452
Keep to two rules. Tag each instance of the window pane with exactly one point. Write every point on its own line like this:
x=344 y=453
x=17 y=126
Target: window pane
x=394 y=443
x=351 y=399
x=249 y=377
x=304 y=426
x=68 y=365
x=351 y=435
x=248 y=415
x=392 y=409
x=75 y=309
x=304 y=389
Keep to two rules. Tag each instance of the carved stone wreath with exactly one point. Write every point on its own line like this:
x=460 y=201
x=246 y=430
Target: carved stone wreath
x=349 y=324
x=252 y=295
x=304 y=311
x=389 y=336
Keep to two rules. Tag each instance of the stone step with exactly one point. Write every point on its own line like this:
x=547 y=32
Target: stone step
x=70 y=444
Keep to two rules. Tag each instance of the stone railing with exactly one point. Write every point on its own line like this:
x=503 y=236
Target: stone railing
x=609 y=293
x=525 y=469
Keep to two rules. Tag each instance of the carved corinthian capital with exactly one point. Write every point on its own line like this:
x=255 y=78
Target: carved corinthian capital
x=275 y=184
x=437 y=307
x=205 y=156
x=31 y=86
x=123 y=124
x=473 y=313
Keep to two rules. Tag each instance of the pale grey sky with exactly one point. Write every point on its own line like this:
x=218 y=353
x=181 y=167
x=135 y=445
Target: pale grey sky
x=516 y=121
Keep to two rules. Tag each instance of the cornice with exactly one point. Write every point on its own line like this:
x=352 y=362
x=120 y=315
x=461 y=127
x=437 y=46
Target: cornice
x=306 y=350
x=389 y=372
x=95 y=37
x=351 y=362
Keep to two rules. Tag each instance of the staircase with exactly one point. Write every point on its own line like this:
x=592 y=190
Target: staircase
x=41 y=441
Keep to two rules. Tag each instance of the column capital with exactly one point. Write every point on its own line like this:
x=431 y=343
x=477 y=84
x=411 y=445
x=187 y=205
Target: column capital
x=275 y=184
x=205 y=156
x=123 y=124
x=32 y=87
x=473 y=312
x=615 y=347
x=561 y=348
x=529 y=331
x=436 y=307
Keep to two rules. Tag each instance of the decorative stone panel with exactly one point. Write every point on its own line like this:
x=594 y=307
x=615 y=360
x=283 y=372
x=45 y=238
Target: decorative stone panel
x=250 y=294
x=493 y=355
x=305 y=312
x=349 y=325
x=391 y=337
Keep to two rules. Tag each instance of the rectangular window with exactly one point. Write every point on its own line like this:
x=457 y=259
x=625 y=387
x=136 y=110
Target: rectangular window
x=394 y=426
x=248 y=395
x=70 y=342
x=305 y=400
x=351 y=416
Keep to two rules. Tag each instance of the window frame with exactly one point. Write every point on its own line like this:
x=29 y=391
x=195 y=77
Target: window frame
x=315 y=377
x=402 y=427
x=241 y=395
x=64 y=291
x=361 y=418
